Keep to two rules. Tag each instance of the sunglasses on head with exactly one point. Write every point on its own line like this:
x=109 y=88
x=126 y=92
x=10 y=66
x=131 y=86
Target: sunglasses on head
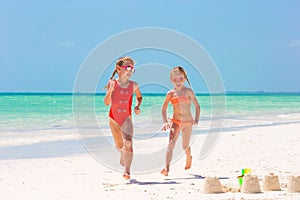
x=128 y=68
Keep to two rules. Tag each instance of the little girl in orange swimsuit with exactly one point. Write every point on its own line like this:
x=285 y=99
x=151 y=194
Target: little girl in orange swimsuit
x=119 y=96
x=181 y=98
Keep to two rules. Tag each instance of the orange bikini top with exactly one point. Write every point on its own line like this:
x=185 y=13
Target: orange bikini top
x=180 y=99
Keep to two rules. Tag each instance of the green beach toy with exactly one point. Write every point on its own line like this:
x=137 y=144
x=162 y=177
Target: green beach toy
x=241 y=177
x=244 y=171
x=240 y=180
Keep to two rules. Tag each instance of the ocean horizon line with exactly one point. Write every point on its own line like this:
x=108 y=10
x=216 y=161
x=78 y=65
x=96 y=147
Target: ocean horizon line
x=148 y=93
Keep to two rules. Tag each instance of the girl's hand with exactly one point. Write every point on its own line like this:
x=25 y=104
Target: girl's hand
x=137 y=110
x=165 y=127
x=195 y=122
x=112 y=85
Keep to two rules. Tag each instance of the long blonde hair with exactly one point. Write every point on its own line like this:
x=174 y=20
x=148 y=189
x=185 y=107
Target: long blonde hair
x=182 y=71
x=119 y=62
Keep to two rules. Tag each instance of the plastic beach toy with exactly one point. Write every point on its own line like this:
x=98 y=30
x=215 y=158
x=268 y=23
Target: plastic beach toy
x=247 y=171
x=244 y=172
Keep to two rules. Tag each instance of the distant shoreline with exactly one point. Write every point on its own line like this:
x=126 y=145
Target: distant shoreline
x=151 y=93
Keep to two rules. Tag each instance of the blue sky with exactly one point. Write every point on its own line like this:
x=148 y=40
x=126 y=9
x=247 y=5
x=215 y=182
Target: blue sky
x=254 y=44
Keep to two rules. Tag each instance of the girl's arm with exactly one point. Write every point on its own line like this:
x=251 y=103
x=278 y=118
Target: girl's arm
x=164 y=112
x=110 y=89
x=139 y=98
x=196 y=105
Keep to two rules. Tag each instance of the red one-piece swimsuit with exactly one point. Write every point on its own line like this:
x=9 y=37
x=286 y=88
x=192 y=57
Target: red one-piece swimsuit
x=121 y=101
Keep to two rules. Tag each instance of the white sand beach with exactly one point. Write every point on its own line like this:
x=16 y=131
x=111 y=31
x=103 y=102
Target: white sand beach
x=58 y=167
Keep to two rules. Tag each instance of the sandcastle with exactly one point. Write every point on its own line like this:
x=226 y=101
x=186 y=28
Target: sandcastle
x=293 y=184
x=271 y=183
x=212 y=185
x=250 y=184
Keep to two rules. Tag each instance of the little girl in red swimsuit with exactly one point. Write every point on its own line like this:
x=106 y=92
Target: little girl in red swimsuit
x=181 y=98
x=119 y=96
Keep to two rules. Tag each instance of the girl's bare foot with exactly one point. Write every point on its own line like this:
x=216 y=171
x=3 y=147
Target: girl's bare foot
x=188 y=162
x=164 y=172
x=126 y=175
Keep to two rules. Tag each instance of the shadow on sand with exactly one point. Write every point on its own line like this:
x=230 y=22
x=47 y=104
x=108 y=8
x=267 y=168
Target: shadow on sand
x=169 y=180
x=193 y=176
x=134 y=181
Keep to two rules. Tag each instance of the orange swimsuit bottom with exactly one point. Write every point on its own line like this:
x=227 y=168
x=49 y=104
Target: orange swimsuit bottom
x=121 y=101
x=182 y=124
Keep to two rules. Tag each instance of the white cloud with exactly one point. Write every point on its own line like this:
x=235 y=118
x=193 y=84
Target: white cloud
x=294 y=43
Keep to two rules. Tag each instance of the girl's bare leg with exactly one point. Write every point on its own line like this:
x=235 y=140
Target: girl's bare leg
x=174 y=133
x=127 y=133
x=118 y=138
x=186 y=135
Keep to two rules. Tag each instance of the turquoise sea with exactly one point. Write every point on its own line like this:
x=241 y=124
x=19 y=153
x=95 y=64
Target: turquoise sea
x=48 y=111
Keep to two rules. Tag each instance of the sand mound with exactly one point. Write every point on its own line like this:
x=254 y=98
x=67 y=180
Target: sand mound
x=293 y=184
x=250 y=184
x=271 y=183
x=212 y=185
